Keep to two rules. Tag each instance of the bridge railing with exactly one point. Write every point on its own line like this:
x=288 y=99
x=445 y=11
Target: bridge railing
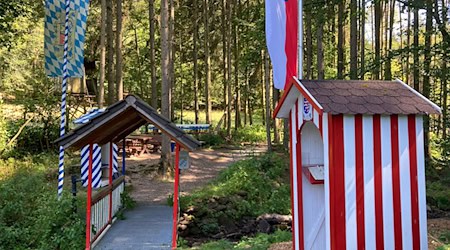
x=104 y=207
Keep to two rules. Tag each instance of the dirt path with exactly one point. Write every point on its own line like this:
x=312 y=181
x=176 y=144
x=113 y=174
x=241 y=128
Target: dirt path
x=205 y=166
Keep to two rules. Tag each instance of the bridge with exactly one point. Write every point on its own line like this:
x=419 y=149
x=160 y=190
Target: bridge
x=140 y=230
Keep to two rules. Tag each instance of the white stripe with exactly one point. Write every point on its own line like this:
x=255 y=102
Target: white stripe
x=421 y=182
x=294 y=173
x=405 y=186
x=350 y=181
x=316 y=117
x=276 y=39
x=300 y=111
x=327 y=179
x=386 y=173
x=369 y=187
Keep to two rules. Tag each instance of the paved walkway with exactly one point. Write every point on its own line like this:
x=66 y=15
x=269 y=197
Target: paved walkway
x=144 y=227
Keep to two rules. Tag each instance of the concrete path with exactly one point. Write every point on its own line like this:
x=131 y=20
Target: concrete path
x=145 y=227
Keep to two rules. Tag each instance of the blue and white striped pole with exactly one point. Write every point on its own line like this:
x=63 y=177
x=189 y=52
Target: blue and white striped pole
x=63 y=100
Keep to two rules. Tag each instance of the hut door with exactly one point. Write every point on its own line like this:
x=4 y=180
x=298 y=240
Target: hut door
x=313 y=192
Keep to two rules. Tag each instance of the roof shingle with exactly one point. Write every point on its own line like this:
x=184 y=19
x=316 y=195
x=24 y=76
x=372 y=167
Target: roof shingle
x=368 y=97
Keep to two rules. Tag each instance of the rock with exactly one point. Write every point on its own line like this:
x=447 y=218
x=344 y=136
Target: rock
x=264 y=227
x=182 y=227
x=274 y=219
x=190 y=210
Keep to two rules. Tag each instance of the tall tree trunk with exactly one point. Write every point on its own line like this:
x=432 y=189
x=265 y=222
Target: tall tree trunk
x=119 y=50
x=353 y=40
x=196 y=109
x=110 y=49
x=101 y=88
x=245 y=96
x=276 y=98
x=138 y=55
x=377 y=17
x=172 y=51
x=151 y=15
x=207 y=63
x=408 y=45
x=388 y=71
x=165 y=84
x=444 y=77
x=341 y=39
x=237 y=118
x=263 y=75
x=309 y=51
x=427 y=69
x=267 y=87
x=229 y=66
x=320 y=62
x=416 y=50
x=224 y=62
x=363 y=40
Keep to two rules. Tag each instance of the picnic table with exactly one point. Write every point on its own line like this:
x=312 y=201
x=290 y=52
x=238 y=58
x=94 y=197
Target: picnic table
x=140 y=144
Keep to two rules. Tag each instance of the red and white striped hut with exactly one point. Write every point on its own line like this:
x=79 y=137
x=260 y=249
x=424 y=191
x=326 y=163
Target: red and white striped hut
x=357 y=164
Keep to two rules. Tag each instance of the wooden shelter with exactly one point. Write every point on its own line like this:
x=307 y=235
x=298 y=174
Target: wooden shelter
x=112 y=126
x=357 y=164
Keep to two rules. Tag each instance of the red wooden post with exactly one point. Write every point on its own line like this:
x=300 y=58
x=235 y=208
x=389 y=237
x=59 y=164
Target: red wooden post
x=175 y=196
x=110 y=180
x=88 y=202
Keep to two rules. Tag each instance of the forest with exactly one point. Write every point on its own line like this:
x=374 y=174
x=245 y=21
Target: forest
x=206 y=61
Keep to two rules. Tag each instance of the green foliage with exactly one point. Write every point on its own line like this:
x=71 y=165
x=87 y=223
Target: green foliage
x=250 y=134
x=3 y=129
x=211 y=139
x=127 y=201
x=31 y=217
x=438 y=195
x=263 y=241
x=258 y=242
x=247 y=188
x=445 y=247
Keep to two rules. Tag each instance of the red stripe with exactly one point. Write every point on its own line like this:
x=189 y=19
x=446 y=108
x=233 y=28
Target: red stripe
x=337 y=185
x=299 y=183
x=396 y=183
x=89 y=200
x=321 y=124
x=110 y=181
x=413 y=179
x=175 y=197
x=378 y=182
x=292 y=180
x=291 y=39
x=359 y=182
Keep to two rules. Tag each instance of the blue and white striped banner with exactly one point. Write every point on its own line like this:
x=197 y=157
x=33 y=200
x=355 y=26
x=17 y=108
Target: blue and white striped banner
x=96 y=166
x=115 y=158
x=54 y=36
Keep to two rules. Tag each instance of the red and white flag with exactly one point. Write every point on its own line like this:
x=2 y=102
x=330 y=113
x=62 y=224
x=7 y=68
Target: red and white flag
x=282 y=39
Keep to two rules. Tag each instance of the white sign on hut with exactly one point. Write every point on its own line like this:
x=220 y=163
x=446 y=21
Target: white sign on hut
x=357 y=164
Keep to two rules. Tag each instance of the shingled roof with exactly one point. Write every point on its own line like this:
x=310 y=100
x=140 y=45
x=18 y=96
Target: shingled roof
x=120 y=120
x=360 y=97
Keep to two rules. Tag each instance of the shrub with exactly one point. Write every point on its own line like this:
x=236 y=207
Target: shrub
x=31 y=216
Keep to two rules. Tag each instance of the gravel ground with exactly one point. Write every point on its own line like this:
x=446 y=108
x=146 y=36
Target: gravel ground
x=205 y=166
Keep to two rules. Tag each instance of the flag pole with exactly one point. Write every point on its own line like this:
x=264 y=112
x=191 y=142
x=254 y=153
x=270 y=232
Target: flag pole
x=62 y=130
x=300 y=40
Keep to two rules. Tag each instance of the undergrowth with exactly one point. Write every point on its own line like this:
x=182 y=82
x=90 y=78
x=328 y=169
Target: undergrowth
x=258 y=242
x=263 y=181
x=31 y=216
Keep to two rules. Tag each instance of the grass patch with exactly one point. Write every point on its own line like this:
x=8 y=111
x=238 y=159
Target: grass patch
x=262 y=180
x=257 y=242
